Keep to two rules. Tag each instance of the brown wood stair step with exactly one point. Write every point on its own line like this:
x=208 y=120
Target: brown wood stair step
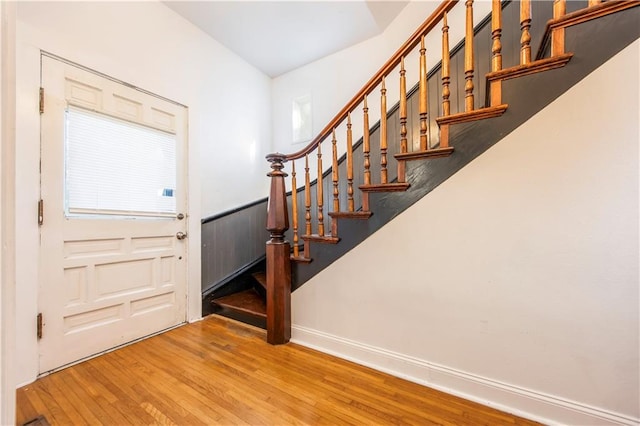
x=385 y=187
x=530 y=68
x=327 y=239
x=358 y=215
x=350 y=215
x=304 y=255
x=261 y=278
x=476 y=114
x=245 y=302
x=429 y=153
x=301 y=258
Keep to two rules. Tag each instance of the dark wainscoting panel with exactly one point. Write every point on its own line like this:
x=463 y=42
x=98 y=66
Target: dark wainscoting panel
x=232 y=241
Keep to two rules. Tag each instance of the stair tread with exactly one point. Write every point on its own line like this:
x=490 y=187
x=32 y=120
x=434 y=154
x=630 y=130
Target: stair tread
x=385 y=187
x=301 y=258
x=530 y=68
x=328 y=239
x=351 y=215
x=476 y=114
x=429 y=153
x=247 y=301
x=261 y=278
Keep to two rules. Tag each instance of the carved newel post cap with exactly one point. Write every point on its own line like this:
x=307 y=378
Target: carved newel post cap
x=276 y=157
x=277 y=161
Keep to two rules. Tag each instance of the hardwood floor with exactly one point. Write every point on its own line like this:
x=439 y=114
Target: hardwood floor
x=218 y=371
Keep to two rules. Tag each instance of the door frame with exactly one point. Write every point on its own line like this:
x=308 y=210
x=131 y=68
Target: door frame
x=7 y=210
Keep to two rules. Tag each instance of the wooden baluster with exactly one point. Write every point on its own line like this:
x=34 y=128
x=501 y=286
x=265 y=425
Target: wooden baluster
x=307 y=197
x=468 y=58
x=278 y=257
x=559 y=8
x=525 y=25
x=334 y=173
x=320 y=194
x=403 y=108
x=350 y=203
x=403 y=120
x=446 y=106
x=294 y=209
x=366 y=146
x=496 y=32
x=383 y=133
x=424 y=139
x=594 y=2
x=557 y=34
x=495 y=86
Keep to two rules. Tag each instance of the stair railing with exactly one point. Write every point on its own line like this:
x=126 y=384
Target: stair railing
x=430 y=141
x=278 y=249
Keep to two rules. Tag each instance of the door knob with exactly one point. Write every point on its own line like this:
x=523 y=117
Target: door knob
x=181 y=235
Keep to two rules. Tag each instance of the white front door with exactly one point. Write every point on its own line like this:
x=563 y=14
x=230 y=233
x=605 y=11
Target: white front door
x=113 y=186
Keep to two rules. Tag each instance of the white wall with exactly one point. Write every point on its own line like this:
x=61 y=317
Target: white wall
x=147 y=45
x=515 y=282
x=333 y=80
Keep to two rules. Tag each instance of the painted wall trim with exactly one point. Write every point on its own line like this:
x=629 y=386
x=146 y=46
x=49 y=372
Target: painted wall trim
x=502 y=396
x=7 y=211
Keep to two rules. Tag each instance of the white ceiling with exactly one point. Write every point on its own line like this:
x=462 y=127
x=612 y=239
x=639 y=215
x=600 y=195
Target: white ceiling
x=278 y=36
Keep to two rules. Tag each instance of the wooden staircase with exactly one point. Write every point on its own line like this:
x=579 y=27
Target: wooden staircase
x=419 y=127
x=248 y=305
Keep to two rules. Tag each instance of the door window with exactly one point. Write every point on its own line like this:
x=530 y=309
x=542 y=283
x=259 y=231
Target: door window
x=115 y=167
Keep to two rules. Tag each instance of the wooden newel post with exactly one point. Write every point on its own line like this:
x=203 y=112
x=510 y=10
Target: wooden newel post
x=278 y=256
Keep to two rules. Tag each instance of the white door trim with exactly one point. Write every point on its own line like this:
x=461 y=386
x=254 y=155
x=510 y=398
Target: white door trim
x=7 y=211
x=108 y=77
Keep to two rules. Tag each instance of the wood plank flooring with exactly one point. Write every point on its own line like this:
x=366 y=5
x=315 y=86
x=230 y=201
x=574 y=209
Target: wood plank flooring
x=218 y=371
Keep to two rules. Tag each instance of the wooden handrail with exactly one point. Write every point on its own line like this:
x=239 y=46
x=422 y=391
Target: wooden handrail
x=429 y=24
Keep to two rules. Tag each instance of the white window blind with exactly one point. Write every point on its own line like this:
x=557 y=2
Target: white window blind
x=114 y=167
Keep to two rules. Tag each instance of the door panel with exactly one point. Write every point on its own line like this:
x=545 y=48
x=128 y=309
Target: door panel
x=106 y=279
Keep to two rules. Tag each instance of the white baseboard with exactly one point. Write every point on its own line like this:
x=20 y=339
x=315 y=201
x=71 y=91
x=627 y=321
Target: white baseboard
x=547 y=409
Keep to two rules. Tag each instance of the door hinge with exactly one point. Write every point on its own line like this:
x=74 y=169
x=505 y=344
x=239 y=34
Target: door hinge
x=40 y=212
x=42 y=100
x=39 y=326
